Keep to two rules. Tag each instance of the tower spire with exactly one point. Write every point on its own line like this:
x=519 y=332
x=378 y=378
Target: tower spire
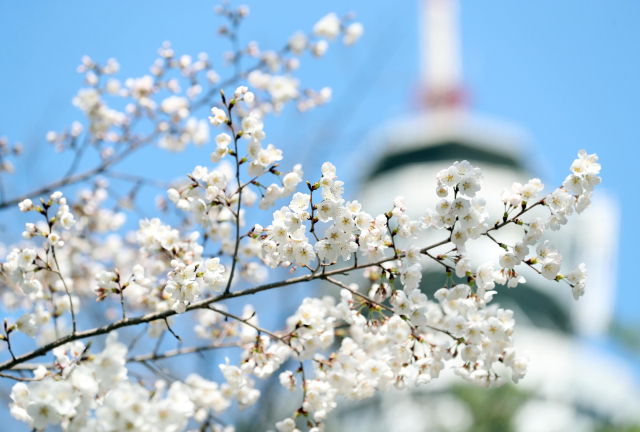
x=441 y=60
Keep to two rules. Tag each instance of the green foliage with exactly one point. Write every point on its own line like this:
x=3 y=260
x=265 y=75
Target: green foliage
x=492 y=409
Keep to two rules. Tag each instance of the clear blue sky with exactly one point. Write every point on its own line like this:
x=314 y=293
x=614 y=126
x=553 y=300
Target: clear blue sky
x=565 y=71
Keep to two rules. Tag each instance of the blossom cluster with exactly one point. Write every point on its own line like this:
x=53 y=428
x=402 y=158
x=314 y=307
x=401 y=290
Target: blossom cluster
x=186 y=281
x=372 y=334
x=575 y=194
x=421 y=336
x=396 y=337
x=81 y=382
x=22 y=265
x=160 y=98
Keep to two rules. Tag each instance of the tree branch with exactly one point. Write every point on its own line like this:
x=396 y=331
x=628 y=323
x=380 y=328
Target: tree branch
x=197 y=305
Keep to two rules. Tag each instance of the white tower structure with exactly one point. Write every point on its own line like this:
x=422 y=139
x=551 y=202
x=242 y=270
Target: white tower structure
x=412 y=150
x=441 y=63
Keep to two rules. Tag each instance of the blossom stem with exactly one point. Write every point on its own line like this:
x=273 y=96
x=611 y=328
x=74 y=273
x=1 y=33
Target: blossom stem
x=383 y=306
x=245 y=321
x=237 y=214
x=178 y=352
x=22 y=379
x=73 y=314
x=124 y=312
x=171 y=331
x=438 y=261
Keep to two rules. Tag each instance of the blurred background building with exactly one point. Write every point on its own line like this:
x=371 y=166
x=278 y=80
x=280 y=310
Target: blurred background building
x=570 y=386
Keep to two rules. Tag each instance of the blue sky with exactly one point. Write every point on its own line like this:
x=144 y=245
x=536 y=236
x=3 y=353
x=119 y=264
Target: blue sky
x=566 y=72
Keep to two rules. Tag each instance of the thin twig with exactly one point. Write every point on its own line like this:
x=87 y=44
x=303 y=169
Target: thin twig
x=158 y=343
x=438 y=261
x=245 y=321
x=171 y=331
x=124 y=312
x=359 y=294
x=79 y=177
x=178 y=352
x=304 y=382
x=373 y=302
x=76 y=159
x=66 y=288
x=497 y=226
x=22 y=379
x=137 y=179
x=136 y=338
x=237 y=214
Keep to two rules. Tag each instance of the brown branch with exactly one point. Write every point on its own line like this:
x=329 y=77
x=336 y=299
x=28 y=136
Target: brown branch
x=45 y=190
x=438 y=261
x=359 y=294
x=370 y=300
x=237 y=214
x=137 y=179
x=66 y=288
x=22 y=379
x=138 y=358
x=245 y=321
x=497 y=226
x=171 y=331
x=197 y=305
x=177 y=352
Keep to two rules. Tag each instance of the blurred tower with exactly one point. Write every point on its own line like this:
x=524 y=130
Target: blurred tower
x=412 y=150
x=567 y=379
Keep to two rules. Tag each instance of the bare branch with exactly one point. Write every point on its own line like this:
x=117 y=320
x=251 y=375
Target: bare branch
x=246 y=322
x=178 y=352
